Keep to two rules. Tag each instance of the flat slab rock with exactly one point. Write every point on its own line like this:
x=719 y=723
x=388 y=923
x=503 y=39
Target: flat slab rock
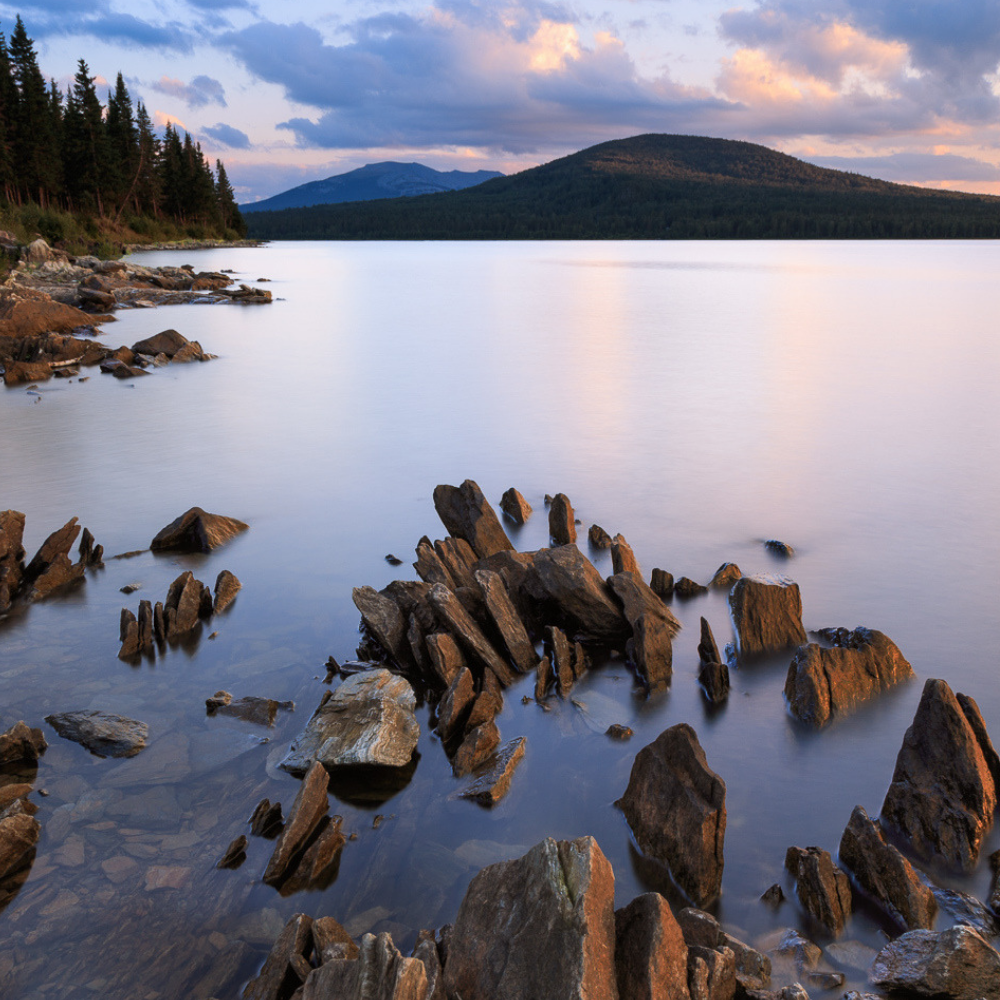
x=103 y=734
x=491 y=782
x=368 y=720
x=767 y=613
x=197 y=531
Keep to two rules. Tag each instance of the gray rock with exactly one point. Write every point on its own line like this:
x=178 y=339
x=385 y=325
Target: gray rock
x=767 y=613
x=467 y=514
x=103 y=734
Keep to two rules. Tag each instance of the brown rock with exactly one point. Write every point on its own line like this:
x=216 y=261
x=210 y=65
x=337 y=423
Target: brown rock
x=428 y=952
x=9 y=794
x=700 y=929
x=767 y=613
x=676 y=807
x=685 y=588
x=598 y=537
x=662 y=584
x=708 y=651
x=379 y=972
x=823 y=889
x=619 y=732
x=942 y=797
x=277 y=980
x=22 y=372
x=467 y=514
x=21 y=743
x=507 y=621
x=714 y=681
x=884 y=874
x=55 y=546
x=515 y=506
x=544 y=678
x=725 y=576
x=637 y=599
x=476 y=749
x=144 y=624
x=19 y=833
x=651 y=958
x=454 y=706
x=182 y=608
x=259 y=711
x=197 y=531
x=321 y=861
x=169 y=342
x=622 y=558
x=458 y=559
x=491 y=781
x=236 y=853
x=429 y=566
x=266 y=820
x=467 y=632
x=26 y=312
x=651 y=651
x=557 y=937
x=11 y=556
x=561 y=658
x=975 y=720
x=128 y=631
x=446 y=658
x=90 y=553
x=308 y=809
x=488 y=704
x=385 y=621
x=711 y=973
x=823 y=683
x=331 y=941
x=562 y=520
x=227 y=586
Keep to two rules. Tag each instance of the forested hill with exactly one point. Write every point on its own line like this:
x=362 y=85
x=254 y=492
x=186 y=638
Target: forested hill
x=656 y=187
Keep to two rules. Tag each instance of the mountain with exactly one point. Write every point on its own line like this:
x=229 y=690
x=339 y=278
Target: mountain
x=373 y=181
x=657 y=187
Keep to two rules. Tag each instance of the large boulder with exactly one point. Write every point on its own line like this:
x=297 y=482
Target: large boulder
x=27 y=312
x=884 y=874
x=942 y=797
x=540 y=926
x=823 y=682
x=956 y=964
x=466 y=513
x=197 y=531
x=368 y=719
x=823 y=889
x=651 y=958
x=767 y=613
x=676 y=806
x=102 y=733
x=169 y=342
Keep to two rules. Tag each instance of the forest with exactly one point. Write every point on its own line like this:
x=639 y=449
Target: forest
x=83 y=174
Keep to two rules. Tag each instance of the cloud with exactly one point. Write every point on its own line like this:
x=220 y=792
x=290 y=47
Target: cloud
x=227 y=136
x=908 y=168
x=201 y=91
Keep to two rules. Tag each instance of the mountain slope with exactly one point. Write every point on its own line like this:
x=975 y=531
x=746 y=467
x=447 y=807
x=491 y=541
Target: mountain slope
x=657 y=187
x=373 y=181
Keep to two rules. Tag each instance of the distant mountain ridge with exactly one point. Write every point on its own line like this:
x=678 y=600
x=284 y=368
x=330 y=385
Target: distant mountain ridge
x=372 y=182
x=656 y=187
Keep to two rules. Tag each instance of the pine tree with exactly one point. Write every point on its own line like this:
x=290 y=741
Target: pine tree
x=8 y=99
x=147 y=190
x=122 y=145
x=228 y=209
x=85 y=147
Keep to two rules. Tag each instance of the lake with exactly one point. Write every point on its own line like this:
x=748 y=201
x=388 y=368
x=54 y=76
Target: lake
x=696 y=397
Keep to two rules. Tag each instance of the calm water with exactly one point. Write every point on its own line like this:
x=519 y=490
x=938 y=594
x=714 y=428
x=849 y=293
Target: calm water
x=697 y=397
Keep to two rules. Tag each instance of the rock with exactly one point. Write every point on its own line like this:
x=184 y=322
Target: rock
x=446 y=658
x=851 y=955
x=467 y=632
x=19 y=833
x=676 y=807
x=651 y=958
x=103 y=734
x=368 y=719
x=826 y=980
x=797 y=952
x=11 y=556
x=711 y=973
x=128 y=631
x=823 y=889
x=725 y=576
x=491 y=781
x=259 y=711
x=169 y=342
x=476 y=748
x=278 y=980
x=651 y=652
x=320 y=863
x=942 y=797
x=619 y=732
x=623 y=558
x=767 y=613
x=714 y=681
x=753 y=969
x=779 y=548
x=562 y=520
x=662 y=584
x=429 y=566
x=773 y=896
x=379 y=972
x=884 y=874
x=507 y=621
x=454 y=707
x=823 y=683
x=38 y=252
x=637 y=599
x=700 y=929
x=515 y=506
x=197 y=531
x=956 y=964
x=331 y=941
x=266 y=820
x=975 y=719
x=467 y=514
x=557 y=935
x=994 y=900
x=964 y=908
x=50 y=569
x=458 y=559
x=544 y=678
x=308 y=809
x=182 y=609
x=598 y=537
x=488 y=704
x=226 y=589
x=561 y=658
x=144 y=625
x=9 y=794
x=236 y=853
x=21 y=743
x=685 y=588
x=91 y=554
x=428 y=952
x=708 y=651
x=385 y=621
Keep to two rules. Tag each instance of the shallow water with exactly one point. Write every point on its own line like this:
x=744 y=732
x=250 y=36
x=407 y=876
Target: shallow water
x=697 y=397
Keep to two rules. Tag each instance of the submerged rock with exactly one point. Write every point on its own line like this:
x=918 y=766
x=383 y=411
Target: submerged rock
x=491 y=782
x=308 y=809
x=368 y=719
x=466 y=513
x=197 y=531
x=767 y=613
x=103 y=734
x=676 y=806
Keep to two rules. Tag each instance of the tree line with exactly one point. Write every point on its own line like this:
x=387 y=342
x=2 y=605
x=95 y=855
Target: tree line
x=69 y=152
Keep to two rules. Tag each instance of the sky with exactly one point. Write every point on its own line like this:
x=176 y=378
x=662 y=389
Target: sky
x=284 y=93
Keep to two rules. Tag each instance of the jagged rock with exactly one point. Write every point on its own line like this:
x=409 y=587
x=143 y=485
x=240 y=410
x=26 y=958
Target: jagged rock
x=11 y=556
x=676 y=807
x=467 y=632
x=429 y=566
x=638 y=599
x=711 y=973
x=331 y=941
x=103 y=734
x=714 y=681
x=308 y=809
x=651 y=958
x=823 y=889
x=773 y=896
x=562 y=520
x=651 y=651
x=700 y=929
x=685 y=588
x=779 y=548
x=491 y=780
x=266 y=820
x=942 y=797
x=205 y=603
x=467 y=514
x=379 y=972
x=427 y=951
x=975 y=719
x=767 y=613
x=515 y=506
x=21 y=743
x=544 y=678
x=236 y=853
x=144 y=625
x=708 y=651
x=662 y=584
x=9 y=794
x=226 y=589
x=197 y=531
x=796 y=952
x=91 y=554
x=623 y=558
x=964 y=908
x=476 y=748
x=446 y=658
x=725 y=576
x=278 y=980
x=159 y=623
x=956 y=964
x=128 y=635
x=884 y=874
x=823 y=683
x=557 y=935
x=50 y=569
x=458 y=559
x=320 y=862
x=19 y=833
x=385 y=621
x=561 y=658
x=507 y=621
x=598 y=537
x=368 y=719
x=182 y=608
x=487 y=705
x=753 y=969
x=454 y=706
